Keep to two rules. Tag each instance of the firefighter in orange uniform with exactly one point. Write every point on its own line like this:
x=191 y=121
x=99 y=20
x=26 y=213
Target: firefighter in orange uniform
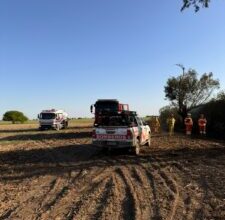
x=188 y=124
x=202 y=124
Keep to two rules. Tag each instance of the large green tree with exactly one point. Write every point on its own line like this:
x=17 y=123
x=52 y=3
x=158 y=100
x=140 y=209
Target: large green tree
x=195 y=3
x=187 y=91
x=14 y=116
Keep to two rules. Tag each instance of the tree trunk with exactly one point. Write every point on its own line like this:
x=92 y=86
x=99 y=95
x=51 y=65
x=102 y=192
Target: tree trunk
x=183 y=112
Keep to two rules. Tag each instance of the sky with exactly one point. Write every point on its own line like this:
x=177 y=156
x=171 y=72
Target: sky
x=67 y=54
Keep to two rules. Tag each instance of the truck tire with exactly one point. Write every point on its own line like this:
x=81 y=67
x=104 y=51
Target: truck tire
x=65 y=124
x=136 y=148
x=57 y=127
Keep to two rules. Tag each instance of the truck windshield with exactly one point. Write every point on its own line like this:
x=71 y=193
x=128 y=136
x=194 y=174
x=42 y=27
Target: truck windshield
x=106 y=106
x=119 y=120
x=48 y=116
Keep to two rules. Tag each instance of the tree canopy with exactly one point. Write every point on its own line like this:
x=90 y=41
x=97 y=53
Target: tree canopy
x=14 y=116
x=187 y=91
x=196 y=4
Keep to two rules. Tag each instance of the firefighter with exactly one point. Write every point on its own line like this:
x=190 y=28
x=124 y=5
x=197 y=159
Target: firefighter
x=188 y=124
x=202 y=124
x=154 y=124
x=171 y=122
x=157 y=124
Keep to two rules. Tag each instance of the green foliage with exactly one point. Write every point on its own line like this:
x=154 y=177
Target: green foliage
x=187 y=91
x=196 y=4
x=14 y=116
x=221 y=96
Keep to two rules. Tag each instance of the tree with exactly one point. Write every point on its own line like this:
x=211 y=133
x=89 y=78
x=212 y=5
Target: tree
x=221 y=96
x=195 y=3
x=14 y=116
x=187 y=91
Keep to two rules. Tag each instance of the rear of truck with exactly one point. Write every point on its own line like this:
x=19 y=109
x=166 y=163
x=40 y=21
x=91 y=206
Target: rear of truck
x=114 y=137
x=115 y=131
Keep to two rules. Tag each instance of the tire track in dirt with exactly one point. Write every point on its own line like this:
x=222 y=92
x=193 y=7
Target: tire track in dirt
x=114 y=208
x=76 y=187
x=166 y=183
x=103 y=174
x=129 y=204
x=173 y=186
x=188 y=200
x=55 y=193
x=189 y=191
x=6 y=214
x=144 y=186
x=28 y=203
x=139 y=191
x=104 y=201
x=93 y=202
x=86 y=197
x=66 y=204
x=190 y=194
x=43 y=196
x=146 y=191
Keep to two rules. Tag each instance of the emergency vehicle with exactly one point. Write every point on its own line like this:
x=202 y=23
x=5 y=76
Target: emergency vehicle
x=106 y=106
x=53 y=119
x=123 y=129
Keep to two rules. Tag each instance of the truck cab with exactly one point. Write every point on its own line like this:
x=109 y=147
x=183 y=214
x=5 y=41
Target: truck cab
x=121 y=130
x=53 y=119
x=107 y=106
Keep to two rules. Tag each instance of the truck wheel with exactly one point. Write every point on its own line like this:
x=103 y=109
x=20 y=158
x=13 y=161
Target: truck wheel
x=65 y=124
x=136 y=149
x=57 y=127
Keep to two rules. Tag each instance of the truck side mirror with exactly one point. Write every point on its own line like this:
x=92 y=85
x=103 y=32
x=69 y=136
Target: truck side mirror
x=38 y=116
x=91 y=108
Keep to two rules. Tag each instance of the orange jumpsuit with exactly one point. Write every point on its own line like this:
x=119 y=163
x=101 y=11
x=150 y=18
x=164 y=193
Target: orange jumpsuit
x=202 y=125
x=188 y=124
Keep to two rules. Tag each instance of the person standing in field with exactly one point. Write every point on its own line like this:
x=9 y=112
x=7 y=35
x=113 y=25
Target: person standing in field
x=157 y=124
x=202 y=124
x=171 y=122
x=188 y=124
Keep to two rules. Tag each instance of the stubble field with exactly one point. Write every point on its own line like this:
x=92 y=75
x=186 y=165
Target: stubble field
x=60 y=175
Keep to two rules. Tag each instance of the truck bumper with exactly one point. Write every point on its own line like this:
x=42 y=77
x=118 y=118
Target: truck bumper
x=50 y=126
x=113 y=144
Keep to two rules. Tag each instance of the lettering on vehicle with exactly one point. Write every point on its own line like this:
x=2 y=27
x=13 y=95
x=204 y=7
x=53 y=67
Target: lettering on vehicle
x=106 y=136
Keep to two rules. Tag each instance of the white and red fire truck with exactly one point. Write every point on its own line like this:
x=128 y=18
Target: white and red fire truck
x=121 y=130
x=53 y=119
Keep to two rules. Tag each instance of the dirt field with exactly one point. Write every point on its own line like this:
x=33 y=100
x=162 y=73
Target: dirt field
x=60 y=175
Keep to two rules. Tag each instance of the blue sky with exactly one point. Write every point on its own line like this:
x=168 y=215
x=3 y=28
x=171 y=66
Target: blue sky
x=67 y=54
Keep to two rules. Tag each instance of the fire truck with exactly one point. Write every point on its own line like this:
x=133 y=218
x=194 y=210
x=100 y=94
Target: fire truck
x=53 y=119
x=116 y=128
x=107 y=106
